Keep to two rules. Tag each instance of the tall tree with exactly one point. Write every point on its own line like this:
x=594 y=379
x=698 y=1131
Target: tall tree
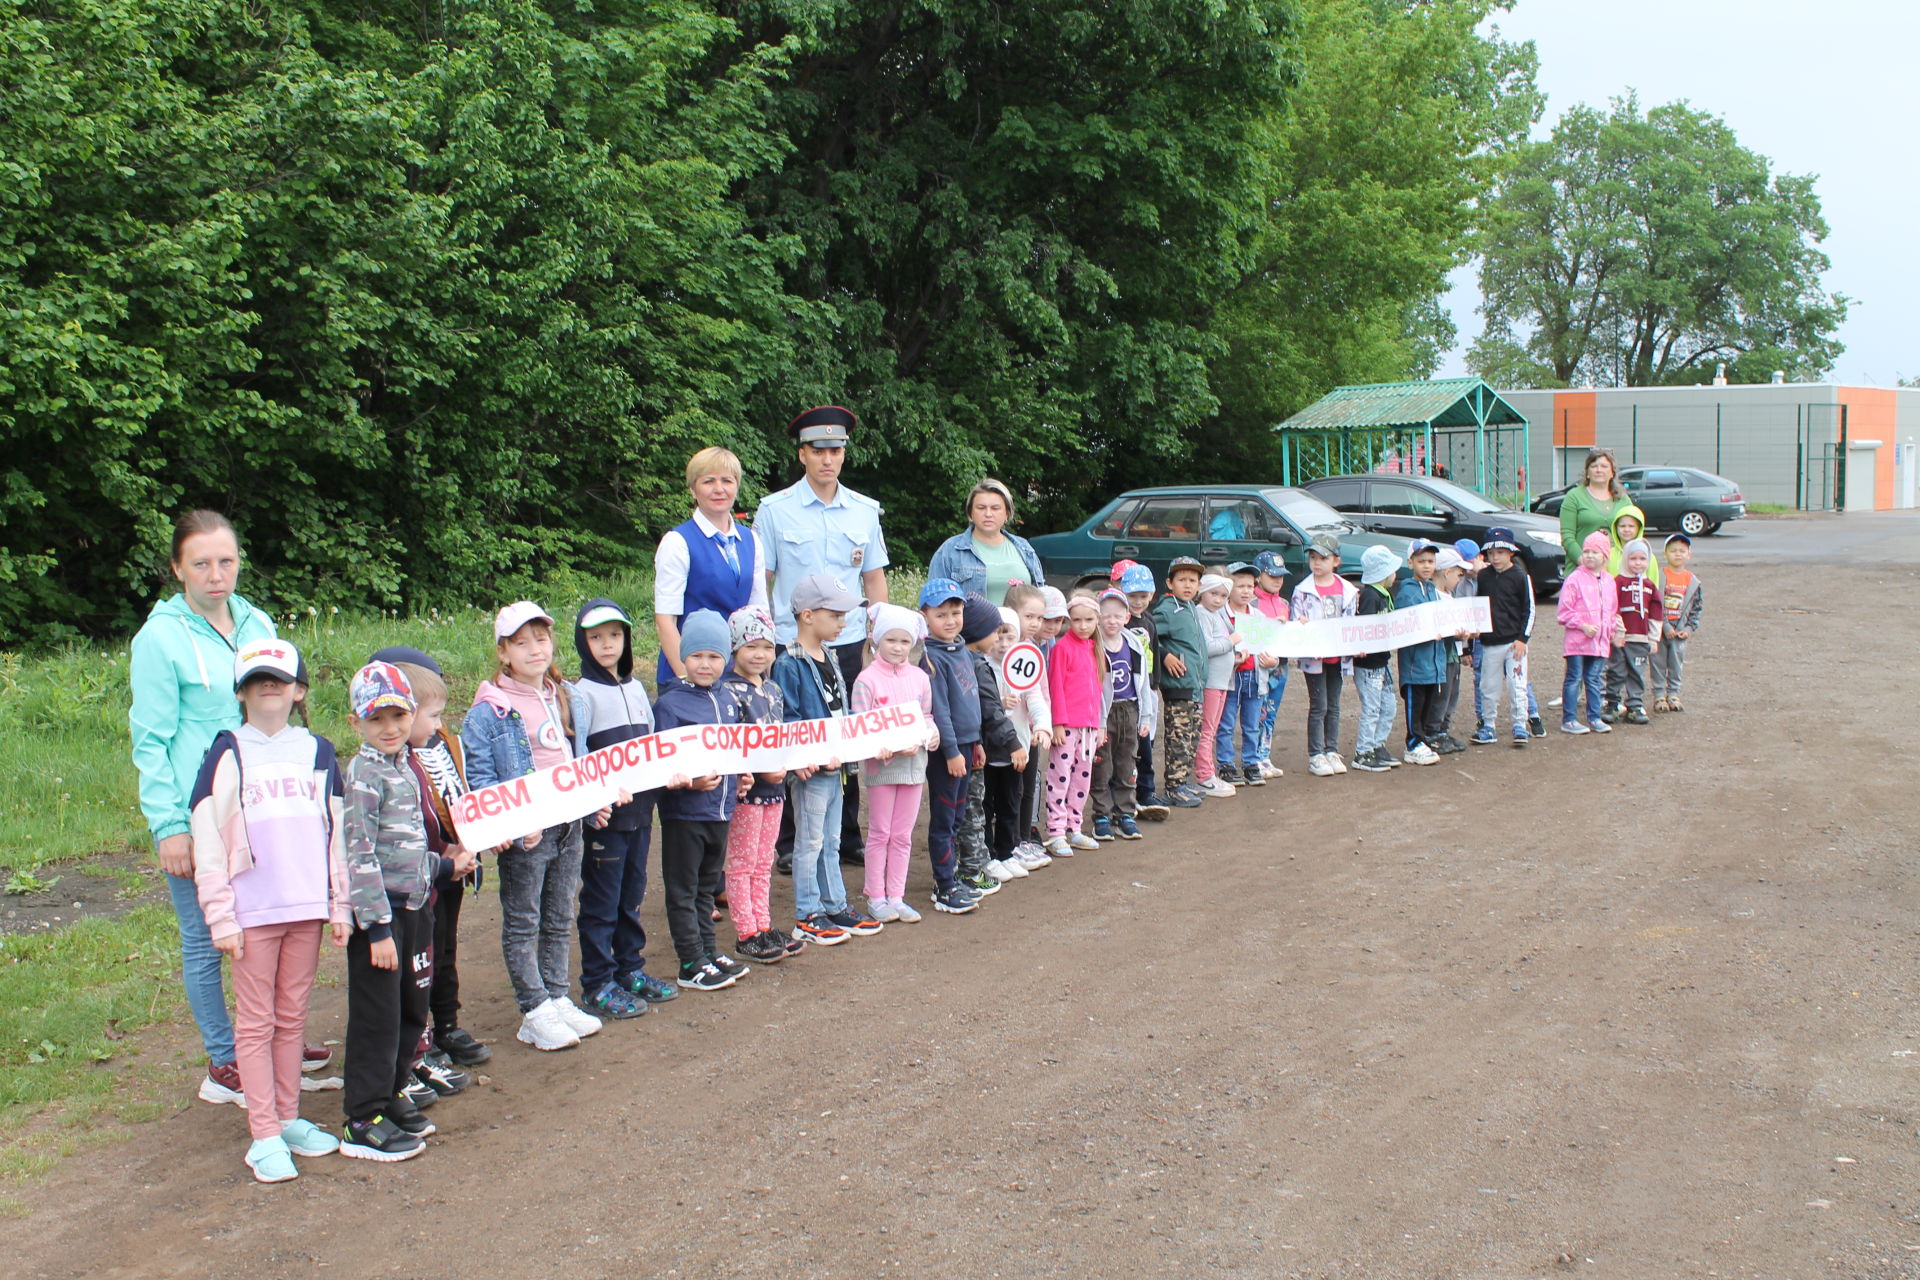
x=1637 y=248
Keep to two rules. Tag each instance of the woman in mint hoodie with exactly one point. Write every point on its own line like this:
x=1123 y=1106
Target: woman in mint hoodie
x=182 y=675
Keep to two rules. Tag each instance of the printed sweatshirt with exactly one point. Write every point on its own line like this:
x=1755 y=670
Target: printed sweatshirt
x=1641 y=608
x=1683 y=600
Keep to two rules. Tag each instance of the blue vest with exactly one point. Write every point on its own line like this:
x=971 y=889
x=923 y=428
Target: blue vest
x=711 y=581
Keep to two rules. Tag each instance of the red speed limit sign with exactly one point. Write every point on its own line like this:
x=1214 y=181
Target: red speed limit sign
x=1022 y=667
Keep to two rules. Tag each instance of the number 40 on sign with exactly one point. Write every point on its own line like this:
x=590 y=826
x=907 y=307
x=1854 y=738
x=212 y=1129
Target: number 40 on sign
x=1021 y=668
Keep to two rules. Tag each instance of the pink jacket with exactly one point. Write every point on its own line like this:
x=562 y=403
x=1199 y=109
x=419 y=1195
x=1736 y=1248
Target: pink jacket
x=1591 y=598
x=1076 y=683
x=882 y=684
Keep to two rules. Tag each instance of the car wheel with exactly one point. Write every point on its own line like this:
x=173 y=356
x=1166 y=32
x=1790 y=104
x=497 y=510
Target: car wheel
x=1693 y=524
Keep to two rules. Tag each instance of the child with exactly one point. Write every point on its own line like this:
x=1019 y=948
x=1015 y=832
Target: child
x=1631 y=523
x=956 y=714
x=389 y=873
x=992 y=792
x=520 y=722
x=1373 y=672
x=1240 y=714
x=1269 y=584
x=1077 y=686
x=609 y=705
x=895 y=780
x=1324 y=594
x=694 y=812
x=1008 y=829
x=1129 y=720
x=813 y=688
x=1217 y=630
x=1183 y=679
x=756 y=819
x=1137 y=583
x=1636 y=631
x=270 y=870
x=1450 y=574
x=1682 y=600
x=1423 y=666
x=1033 y=719
x=1503 y=649
x=1589 y=609
x=1053 y=617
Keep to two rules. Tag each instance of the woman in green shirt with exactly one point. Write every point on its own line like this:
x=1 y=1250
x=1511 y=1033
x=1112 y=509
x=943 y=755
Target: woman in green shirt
x=1591 y=505
x=985 y=558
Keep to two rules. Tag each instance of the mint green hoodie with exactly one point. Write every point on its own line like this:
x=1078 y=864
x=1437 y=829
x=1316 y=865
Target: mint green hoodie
x=182 y=676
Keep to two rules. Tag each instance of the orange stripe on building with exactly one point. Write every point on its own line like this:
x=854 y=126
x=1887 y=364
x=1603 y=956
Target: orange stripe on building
x=1575 y=419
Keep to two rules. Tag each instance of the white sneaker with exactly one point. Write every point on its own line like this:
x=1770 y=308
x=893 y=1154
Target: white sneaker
x=1057 y=846
x=1424 y=754
x=883 y=910
x=1268 y=769
x=1319 y=767
x=1081 y=840
x=1339 y=765
x=1216 y=787
x=1009 y=868
x=544 y=1029
x=997 y=870
x=1032 y=857
x=904 y=913
x=578 y=1020
x=1573 y=726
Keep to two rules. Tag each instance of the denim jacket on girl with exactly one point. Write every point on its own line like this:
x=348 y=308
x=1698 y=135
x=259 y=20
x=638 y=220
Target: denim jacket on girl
x=494 y=740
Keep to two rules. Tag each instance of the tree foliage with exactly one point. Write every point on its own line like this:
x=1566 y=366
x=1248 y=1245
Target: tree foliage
x=1640 y=248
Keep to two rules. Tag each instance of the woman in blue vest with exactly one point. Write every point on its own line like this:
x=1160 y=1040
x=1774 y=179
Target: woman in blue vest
x=710 y=562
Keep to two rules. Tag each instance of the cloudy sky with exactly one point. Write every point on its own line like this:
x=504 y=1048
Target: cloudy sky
x=1824 y=88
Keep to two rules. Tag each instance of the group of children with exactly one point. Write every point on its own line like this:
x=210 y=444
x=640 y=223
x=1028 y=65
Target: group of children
x=1048 y=717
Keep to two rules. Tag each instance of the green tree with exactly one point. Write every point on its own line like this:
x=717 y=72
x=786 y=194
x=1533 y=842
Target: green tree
x=1640 y=248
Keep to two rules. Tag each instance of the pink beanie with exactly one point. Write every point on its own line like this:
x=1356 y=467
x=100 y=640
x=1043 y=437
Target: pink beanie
x=1597 y=542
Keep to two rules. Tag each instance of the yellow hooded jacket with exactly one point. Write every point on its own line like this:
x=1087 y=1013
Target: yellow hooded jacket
x=1617 y=556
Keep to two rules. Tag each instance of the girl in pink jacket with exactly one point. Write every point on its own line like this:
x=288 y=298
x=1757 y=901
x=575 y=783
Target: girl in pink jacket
x=1080 y=692
x=1589 y=610
x=895 y=780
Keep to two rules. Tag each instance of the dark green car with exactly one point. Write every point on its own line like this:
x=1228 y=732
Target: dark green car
x=1213 y=523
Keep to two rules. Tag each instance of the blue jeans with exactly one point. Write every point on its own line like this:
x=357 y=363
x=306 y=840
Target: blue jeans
x=1584 y=670
x=200 y=970
x=817 y=884
x=946 y=797
x=1269 y=712
x=1375 y=687
x=613 y=883
x=1241 y=711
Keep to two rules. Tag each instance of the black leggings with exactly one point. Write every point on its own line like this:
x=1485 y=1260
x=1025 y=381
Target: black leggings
x=1323 y=709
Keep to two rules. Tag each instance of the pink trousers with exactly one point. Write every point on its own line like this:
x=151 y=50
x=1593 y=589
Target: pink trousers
x=892 y=809
x=1212 y=706
x=271 y=981
x=1069 y=779
x=750 y=840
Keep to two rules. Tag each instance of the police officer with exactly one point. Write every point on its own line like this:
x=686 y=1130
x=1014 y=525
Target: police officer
x=818 y=525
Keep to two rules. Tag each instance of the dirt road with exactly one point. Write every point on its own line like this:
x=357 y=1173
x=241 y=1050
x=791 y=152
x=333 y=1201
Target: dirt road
x=1632 y=1006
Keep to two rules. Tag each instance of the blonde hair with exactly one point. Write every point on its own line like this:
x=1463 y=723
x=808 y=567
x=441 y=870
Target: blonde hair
x=428 y=687
x=554 y=677
x=713 y=461
x=1018 y=593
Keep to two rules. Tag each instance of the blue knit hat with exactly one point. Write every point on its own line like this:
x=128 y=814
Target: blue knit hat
x=705 y=632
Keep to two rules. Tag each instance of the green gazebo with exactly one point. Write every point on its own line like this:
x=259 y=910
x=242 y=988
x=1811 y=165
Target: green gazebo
x=1459 y=428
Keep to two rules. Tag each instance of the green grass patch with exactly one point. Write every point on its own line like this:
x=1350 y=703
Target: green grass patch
x=1771 y=508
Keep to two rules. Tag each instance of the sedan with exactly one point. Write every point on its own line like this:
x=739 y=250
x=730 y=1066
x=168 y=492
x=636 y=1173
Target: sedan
x=1694 y=502
x=1429 y=507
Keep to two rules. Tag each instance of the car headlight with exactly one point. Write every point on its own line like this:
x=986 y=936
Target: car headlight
x=1545 y=539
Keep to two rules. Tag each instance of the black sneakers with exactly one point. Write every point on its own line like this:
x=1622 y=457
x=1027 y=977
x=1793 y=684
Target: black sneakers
x=405 y=1114
x=461 y=1047
x=728 y=965
x=764 y=947
x=378 y=1139
x=437 y=1072
x=703 y=977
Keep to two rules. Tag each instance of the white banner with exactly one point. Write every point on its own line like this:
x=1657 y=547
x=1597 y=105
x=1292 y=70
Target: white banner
x=1375 y=633
x=547 y=797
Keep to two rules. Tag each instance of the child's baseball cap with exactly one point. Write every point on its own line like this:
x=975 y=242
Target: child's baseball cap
x=1418 y=545
x=1120 y=568
x=1239 y=567
x=600 y=612
x=516 y=616
x=1271 y=563
x=381 y=684
x=1056 y=602
x=1501 y=540
x=1469 y=549
x=939 y=591
x=408 y=654
x=1377 y=564
x=822 y=591
x=704 y=631
x=1676 y=537
x=1138 y=578
x=1324 y=544
x=747 y=624
x=275 y=658
x=1448 y=559
x=1184 y=562
x=1112 y=594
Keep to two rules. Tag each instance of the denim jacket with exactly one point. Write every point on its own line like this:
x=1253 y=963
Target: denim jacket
x=955 y=558
x=495 y=743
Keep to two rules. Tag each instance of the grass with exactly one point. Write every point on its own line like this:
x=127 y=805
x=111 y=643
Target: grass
x=1771 y=508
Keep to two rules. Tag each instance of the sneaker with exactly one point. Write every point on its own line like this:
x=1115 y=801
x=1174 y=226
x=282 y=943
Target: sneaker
x=1268 y=769
x=614 y=1001
x=791 y=945
x=1252 y=777
x=1423 y=754
x=1536 y=726
x=1608 y=715
x=1637 y=715
x=954 y=901
x=764 y=947
x=1519 y=738
x=1103 y=829
x=582 y=1023
x=1318 y=766
x=816 y=930
x=1032 y=857
x=1218 y=786
x=1599 y=726
x=981 y=884
x=1573 y=726
x=314 y=1056
x=404 y=1113
x=1057 y=846
x=379 y=1139
x=1338 y=762
x=271 y=1161
x=419 y=1093
x=1082 y=841
x=437 y=1072
x=544 y=1029
x=305 y=1138
x=1483 y=735
x=649 y=988
x=463 y=1048
x=223 y=1085
x=1154 y=808
x=906 y=913
x=1449 y=745
x=1126 y=827
x=1388 y=759
x=1370 y=762
x=883 y=910
x=1229 y=775
x=1186 y=796
x=783 y=863
x=728 y=965
x=856 y=922
x=1007 y=868
x=704 y=977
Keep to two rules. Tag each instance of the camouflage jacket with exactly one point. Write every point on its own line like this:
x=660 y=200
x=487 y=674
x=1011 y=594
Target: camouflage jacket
x=388 y=863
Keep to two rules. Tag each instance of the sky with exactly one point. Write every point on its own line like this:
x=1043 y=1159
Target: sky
x=1827 y=88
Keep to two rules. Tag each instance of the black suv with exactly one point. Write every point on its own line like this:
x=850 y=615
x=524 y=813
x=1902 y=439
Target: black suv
x=1429 y=507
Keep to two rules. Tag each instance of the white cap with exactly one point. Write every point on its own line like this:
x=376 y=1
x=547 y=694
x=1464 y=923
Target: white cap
x=516 y=616
x=1448 y=559
x=272 y=657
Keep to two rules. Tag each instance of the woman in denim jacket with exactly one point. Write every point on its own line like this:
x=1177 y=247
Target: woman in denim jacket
x=985 y=558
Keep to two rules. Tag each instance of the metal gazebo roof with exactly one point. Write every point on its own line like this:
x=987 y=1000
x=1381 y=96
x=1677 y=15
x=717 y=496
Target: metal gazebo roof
x=1322 y=439
x=1448 y=402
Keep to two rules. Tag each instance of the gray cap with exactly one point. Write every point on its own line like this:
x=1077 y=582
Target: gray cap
x=1325 y=544
x=821 y=591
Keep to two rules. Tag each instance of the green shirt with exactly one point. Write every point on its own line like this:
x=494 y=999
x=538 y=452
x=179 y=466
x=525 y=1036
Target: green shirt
x=1003 y=565
x=1580 y=515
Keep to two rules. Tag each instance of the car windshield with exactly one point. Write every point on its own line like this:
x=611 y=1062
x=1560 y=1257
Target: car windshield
x=1306 y=512
x=1465 y=499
